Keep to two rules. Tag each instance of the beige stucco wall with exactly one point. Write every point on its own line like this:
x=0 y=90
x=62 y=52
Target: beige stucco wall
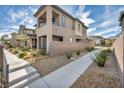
x=60 y=48
x=119 y=53
x=50 y=29
x=122 y=26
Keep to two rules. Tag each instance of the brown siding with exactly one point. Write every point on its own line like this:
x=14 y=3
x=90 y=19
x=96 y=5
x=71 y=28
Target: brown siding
x=60 y=48
x=119 y=54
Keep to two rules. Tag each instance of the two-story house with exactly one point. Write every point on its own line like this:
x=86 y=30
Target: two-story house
x=19 y=39
x=55 y=24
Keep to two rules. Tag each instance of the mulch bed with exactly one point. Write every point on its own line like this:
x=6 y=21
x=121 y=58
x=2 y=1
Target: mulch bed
x=50 y=64
x=99 y=77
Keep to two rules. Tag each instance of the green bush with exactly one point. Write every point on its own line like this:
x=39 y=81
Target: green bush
x=108 y=50
x=11 y=49
x=25 y=48
x=89 y=49
x=100 y=58
x=22 y=54
x=68 y=55
x=78 y=52
x=15 y=51
x=26 y=57
x=38 y=52
x=41 y=52
x=34 y=54
x=10 y=46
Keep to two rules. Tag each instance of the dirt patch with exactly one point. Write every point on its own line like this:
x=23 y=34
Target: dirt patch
x=99 y=77
x=37 y=59
x=51 y=64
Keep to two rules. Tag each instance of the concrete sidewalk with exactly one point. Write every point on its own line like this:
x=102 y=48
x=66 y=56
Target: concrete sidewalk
x=20 y=73
x=65 y=76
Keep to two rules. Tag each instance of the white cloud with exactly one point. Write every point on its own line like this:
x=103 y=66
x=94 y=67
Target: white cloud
x=106 y=23
x=110 y=17
x=110 y=35
x=33 y=9
x=30 y=21
x=91 y=30
x=7 y=32
x=79 y=10
x=113 y=29
x=17 y=15
x=84 y=16
x=87 y=21
x=15 y=27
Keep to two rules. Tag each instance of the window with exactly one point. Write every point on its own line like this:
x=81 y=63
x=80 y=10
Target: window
x=73 y=25
x=25 y=43
x=71 y=39
x=63 y=21
x=53 y=20
x=78 y=27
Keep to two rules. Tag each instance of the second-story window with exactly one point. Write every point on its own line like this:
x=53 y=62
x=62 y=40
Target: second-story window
x=63 y=21
x=53 y=20
x=73 y=25
x=78 y=27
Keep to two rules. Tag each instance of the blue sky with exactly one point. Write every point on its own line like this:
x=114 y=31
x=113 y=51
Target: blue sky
x=101 y=20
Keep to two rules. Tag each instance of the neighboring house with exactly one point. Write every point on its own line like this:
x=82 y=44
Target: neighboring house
x=55 y=24
x=5 y=39
x=24 y=38
x=97 y=39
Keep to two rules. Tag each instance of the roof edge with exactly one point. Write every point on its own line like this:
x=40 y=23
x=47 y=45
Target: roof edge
x=60 y=9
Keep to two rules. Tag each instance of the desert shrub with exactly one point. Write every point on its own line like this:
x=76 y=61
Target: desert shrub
x=11 y=49
x=100 y=58
x=68 y=55
x=25 y=48
x=38 y=52
x=41 y=52
x=15 y=51
x=9 y=45
x=108 y=50
x=22 y=54
x=78 y=52
x=89 y=49
x=27 y=57
x=34 y=54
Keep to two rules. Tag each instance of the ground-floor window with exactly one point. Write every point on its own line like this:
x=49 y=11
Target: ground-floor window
x=25 y=43
x=71 y=39
x=57 y=38
x=78 y=40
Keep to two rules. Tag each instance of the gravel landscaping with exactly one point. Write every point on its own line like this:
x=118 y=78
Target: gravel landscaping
x=50 y=64
x=99 y=77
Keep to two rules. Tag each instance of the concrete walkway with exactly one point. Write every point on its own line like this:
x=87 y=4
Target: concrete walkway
x=20 y=73
x=65 y=76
